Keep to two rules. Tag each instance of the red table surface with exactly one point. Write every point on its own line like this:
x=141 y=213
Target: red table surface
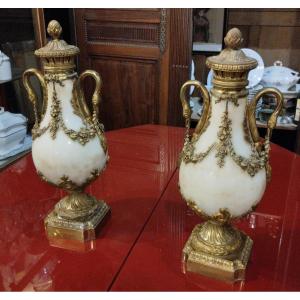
x=139 y=247
x=142 y=161
x=154 y=264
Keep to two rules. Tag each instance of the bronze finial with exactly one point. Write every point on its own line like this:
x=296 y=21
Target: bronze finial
x=234 y=39
x=54 y=29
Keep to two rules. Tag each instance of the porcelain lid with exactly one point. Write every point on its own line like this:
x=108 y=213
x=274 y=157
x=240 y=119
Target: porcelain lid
x=232 y=58
x=56 y=47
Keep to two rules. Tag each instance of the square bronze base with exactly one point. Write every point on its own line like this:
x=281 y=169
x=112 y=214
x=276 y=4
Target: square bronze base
x=81 y=230
x=230 y=268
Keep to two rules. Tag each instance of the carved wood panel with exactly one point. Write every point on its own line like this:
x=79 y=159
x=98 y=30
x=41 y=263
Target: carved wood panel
x=111 y=32
x=129 y=90
x=129 y=48
x=273 y=33
x=180 y=60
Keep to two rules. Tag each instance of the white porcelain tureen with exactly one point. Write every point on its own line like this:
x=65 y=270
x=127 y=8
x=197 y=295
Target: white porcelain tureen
x=280 y=77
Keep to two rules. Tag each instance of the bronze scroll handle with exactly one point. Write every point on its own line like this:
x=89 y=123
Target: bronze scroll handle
x=96 y=95
x=186 y=107
x=31 y=93
x=272 y=120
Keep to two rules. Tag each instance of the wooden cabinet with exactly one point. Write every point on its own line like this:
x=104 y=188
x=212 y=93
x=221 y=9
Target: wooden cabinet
x=128 y=49
x=142 y=55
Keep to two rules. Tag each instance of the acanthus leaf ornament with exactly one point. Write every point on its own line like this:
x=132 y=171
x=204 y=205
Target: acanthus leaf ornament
x=69 y=147
x=224 y=166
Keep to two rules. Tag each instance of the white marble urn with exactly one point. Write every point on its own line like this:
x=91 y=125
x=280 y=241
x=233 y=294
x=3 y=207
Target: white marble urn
x=224 y=166
x=69 y=147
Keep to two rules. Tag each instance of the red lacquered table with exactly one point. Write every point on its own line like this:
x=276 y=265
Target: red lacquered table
x=139 y=246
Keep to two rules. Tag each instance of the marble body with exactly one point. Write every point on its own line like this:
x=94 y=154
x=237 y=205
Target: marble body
x=230 y=187
x=62 y=156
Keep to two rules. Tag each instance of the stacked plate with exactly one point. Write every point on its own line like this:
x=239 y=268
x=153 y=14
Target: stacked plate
x=290 y=96
x=13 y=128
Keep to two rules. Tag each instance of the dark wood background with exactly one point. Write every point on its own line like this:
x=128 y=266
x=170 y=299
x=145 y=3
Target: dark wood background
x=274 y=33
x=143 y=56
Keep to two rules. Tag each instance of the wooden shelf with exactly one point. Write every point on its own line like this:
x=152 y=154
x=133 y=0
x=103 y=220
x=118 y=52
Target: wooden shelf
x=206 y=47
x=281 y=127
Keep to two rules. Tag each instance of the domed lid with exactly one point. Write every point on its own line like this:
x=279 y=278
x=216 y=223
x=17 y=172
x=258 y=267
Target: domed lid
x=56 y=47
x=232 y=58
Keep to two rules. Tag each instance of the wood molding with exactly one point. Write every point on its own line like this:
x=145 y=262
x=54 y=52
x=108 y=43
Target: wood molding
x=164 y=66
x=39 y=27
x=181 y=29
x=130 y=50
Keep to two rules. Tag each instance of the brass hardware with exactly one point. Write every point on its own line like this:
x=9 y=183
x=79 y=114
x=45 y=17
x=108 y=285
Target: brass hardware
x=186 y=107
x=68 y=185
x=96 y=95
x=203 y=252
x=57 y=56
x=231 y=66
x=187 y=153
x=271 y=124
x=272 y=120
x=78 y=228
x=163 y=30
x=31 y=94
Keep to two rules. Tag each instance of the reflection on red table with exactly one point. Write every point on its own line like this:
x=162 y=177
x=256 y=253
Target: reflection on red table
x=142 y=161
x=154 y=264
x=139 y=247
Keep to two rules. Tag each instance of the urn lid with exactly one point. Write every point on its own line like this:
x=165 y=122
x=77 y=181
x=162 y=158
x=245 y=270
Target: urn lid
x=232 y=58
x=231 y=66
x=56 y=47
x=57 y=56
